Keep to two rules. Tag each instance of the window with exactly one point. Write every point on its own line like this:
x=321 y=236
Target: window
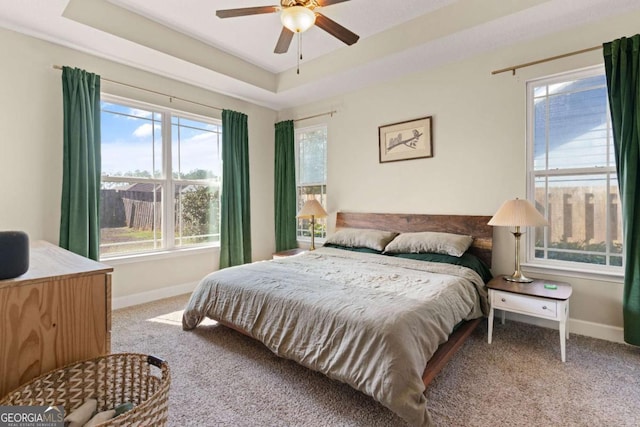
x=161 y=173
x=311 y=176
x=572 y=176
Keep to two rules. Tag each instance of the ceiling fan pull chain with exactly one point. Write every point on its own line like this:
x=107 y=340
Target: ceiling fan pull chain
x=299 y=51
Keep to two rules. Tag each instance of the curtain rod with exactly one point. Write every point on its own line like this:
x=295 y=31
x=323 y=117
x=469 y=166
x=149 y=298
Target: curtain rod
x=328 y=113
x=551 y=58
x=171 y=97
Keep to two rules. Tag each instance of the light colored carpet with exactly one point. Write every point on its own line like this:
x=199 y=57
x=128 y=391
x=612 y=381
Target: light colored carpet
x=222 y=378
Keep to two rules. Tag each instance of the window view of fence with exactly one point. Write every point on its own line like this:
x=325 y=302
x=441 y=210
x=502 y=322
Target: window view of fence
x=572 y=167
x=140 y=188
x=311 y=176
x=130 y=217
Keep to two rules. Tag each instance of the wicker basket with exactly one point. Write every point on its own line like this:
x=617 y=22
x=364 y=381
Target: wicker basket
x=111 y=380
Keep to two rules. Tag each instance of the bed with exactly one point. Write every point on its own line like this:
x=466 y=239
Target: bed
x=383 y=324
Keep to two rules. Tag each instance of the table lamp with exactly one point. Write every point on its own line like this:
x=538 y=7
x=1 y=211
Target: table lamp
x=518 y=213
x=312 y=209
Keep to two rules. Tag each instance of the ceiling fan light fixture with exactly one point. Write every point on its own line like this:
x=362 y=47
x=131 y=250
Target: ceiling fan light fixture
x=298 y=19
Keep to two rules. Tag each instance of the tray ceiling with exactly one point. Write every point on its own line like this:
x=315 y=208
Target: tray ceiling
x=186 y=41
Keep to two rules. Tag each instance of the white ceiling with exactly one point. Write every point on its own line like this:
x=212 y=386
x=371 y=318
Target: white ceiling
x=186 y=41
x=253 y=38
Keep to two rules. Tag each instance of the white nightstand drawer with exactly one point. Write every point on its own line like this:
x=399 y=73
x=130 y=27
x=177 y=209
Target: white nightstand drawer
x=525 y=304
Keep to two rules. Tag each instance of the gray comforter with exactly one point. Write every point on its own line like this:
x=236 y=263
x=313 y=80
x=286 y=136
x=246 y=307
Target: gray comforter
x=370 y=321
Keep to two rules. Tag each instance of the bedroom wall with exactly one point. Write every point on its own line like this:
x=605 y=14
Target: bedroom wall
x=479 y=128
x=31 y=157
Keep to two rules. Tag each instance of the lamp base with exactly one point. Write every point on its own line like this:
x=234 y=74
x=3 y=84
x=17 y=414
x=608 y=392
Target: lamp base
x=313 y=233
x=518 y=277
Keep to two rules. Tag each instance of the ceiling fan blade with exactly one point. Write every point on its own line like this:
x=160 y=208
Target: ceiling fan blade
x=282 y=46
x=336 y=30
x=323 y=3
x=232 y=13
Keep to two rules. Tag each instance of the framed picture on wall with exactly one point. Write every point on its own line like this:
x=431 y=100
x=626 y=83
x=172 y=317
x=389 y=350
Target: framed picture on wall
x=405 y=140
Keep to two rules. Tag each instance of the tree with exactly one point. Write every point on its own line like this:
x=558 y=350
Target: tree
x=197 y=174
x=139 y=174
x=197 y=217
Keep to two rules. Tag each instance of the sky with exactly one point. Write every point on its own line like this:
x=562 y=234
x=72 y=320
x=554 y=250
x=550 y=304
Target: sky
x=131 y=140
x=573 y=119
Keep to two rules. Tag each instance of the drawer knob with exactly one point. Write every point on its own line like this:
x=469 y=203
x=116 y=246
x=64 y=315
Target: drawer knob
x=544 y=307
x=504 y=300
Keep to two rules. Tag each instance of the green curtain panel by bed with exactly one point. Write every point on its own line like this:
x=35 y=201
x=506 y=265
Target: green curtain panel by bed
x=235 y=215
x=285 y=187
x=80 y=213
x=622 y=64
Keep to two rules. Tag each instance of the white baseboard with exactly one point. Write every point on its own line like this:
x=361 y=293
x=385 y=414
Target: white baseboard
x=580 y=327
x=597 y=330
x=156 y=294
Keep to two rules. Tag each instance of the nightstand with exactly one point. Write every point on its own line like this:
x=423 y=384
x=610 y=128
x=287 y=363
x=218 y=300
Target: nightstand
x=532 y=299
x=289 y=252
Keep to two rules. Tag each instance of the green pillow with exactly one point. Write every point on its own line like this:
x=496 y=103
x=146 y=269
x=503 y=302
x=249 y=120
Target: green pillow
x=466 y=260
x=351 y=248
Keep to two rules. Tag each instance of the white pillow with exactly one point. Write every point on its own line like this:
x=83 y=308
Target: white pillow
x=361 y=238
x=430 y=242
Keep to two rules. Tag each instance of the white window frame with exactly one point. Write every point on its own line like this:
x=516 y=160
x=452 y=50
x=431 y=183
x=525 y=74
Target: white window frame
x=168 y=182
x=538 y=265
x=297 y=132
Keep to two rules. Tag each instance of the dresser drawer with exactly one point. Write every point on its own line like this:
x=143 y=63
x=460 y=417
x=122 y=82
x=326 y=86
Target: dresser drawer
x=524 y=304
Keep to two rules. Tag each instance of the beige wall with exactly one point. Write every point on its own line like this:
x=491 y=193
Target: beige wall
x=479 y=128
x=31 y=154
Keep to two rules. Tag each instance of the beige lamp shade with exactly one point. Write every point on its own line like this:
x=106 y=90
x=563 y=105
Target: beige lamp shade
x=312 y=208
x=519 y=213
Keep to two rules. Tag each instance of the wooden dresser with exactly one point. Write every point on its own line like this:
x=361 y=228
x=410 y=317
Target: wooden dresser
x=56 y=313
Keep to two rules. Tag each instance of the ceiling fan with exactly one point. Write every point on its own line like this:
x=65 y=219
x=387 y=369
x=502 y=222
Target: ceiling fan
x=297 y=16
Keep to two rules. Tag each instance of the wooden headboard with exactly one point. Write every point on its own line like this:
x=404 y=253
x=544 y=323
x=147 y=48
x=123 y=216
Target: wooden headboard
x=472 y=225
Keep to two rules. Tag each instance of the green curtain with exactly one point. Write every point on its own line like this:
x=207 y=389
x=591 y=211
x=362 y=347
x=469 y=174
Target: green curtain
x=80 y=213
x=622 y=64
x=235 y=215
x=285 y=187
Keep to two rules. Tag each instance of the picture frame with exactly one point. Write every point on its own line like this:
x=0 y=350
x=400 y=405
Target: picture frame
x=411 y=139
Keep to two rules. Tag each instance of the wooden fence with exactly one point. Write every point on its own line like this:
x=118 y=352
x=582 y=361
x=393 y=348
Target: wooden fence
x=133 y=209
x=140 y=214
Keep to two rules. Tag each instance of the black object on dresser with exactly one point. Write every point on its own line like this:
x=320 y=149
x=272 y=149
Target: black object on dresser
x=14 y=254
